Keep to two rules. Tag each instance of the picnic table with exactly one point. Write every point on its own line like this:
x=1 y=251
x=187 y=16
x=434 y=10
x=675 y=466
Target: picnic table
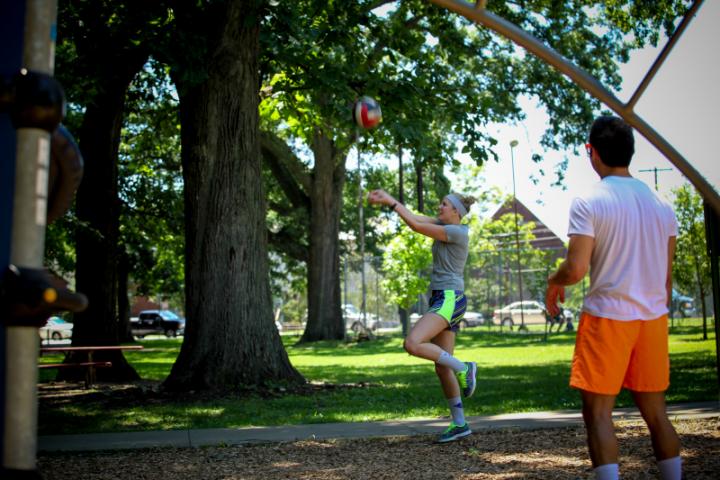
x=90 y=365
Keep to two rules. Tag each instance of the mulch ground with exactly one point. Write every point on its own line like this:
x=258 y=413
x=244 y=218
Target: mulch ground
x=503 y=454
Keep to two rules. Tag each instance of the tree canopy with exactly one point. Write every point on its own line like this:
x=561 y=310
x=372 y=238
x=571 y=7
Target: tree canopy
x=440 y=80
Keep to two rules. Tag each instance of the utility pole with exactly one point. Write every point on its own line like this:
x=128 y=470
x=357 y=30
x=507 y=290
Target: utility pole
x=513 y=144
x=655 y=170
x=361 y=199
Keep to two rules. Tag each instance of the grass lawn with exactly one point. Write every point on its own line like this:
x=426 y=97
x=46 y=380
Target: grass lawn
x=517 y=373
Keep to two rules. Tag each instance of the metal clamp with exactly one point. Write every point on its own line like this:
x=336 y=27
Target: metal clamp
x=28 y=297
x=33 y=99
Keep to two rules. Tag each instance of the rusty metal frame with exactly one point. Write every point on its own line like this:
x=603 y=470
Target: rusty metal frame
x=478 y=14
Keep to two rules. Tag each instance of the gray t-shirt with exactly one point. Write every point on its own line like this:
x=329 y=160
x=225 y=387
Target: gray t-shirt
x=449 y=259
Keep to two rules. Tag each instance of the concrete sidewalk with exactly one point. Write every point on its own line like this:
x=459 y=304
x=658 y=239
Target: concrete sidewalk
x=321 y=431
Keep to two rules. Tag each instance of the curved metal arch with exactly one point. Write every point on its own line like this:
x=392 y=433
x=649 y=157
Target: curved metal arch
x=478 y=14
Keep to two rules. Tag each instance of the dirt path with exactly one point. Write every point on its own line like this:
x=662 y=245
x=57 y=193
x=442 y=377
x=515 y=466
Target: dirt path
x=496 y=455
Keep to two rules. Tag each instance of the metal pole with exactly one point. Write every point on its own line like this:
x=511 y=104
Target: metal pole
x=591 y=85
x=664 y=54
x=362 y=231
x=345 y=297
x=513 y=144
x=712 y=235
x=27 y=247
x=377 y=297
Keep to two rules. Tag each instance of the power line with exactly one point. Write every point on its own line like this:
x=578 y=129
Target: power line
x=656 y=170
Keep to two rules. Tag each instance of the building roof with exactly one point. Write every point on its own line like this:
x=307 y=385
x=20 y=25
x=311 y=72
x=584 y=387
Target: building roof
x=545 y=239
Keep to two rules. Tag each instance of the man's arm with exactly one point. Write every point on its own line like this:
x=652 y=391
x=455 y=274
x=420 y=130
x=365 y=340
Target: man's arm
x=668 y=277
x=570 y=271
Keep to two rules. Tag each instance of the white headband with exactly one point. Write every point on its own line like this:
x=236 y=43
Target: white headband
x=457 y=203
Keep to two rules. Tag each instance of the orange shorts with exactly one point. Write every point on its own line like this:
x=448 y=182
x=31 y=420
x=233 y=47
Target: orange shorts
x=610 y=354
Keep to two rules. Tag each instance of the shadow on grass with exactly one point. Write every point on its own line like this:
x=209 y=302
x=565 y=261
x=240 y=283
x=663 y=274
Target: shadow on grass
x=349 y=394
x=349 y=389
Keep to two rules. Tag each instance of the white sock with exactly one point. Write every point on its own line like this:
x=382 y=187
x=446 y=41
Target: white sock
x=609 y=471
x=448 y=360
x=456 y=411
x=670 y=468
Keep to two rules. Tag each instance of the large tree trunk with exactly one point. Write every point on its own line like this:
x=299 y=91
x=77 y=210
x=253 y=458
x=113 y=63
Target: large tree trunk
x=701 y=290
x=325 y=320
x=403 y=313
x=401 y=183
x=124 y=331
x=419 y=187
x=230 y=337
x=98 y=207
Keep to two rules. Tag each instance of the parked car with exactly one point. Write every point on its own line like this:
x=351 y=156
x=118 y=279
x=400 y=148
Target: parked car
x=354 y=319
x=56 y=329
x=533 y=313
x=150 y=322
x=568 y=314
x=682 y=306
x=472 y=319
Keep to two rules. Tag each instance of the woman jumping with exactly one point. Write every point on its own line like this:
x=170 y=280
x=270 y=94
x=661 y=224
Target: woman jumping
x=433 y=336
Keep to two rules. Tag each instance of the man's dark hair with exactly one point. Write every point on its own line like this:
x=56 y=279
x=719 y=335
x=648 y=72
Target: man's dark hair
x=613 y=139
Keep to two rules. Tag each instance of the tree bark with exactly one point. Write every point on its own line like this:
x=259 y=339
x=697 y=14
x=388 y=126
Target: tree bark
x=402 y=312
x=124 y=331
x=320 y=194
x=325 y=320
x=98 y=207
x=701 y=290
x=230 y=338
x=419 y=187
x=401 y=183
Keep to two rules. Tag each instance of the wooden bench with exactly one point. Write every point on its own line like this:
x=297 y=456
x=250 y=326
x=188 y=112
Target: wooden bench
x=89 y=365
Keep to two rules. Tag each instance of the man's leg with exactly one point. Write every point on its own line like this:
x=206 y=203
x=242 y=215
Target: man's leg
x=597 y=414
x=665 y=440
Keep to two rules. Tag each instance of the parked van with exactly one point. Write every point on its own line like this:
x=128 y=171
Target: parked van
x=682 y=306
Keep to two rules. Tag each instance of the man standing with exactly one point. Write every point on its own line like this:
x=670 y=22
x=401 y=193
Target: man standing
x=625 y=234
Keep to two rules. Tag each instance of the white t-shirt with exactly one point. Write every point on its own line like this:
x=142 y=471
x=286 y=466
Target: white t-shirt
x=631 y=226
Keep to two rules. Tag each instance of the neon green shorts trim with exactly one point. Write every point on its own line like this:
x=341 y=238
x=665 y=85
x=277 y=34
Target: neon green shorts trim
x=450 y=305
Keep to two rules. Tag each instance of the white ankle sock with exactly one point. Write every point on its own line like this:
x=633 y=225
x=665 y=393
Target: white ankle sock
x=670 y=468
x=456 y=411
x=609 y=471
x=448 y=360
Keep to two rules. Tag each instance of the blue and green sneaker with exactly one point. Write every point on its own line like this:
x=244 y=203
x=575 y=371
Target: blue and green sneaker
x=453 y=432
x=466 y=379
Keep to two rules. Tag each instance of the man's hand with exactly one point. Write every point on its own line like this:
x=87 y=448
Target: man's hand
x=554 y=293
x=570 y=271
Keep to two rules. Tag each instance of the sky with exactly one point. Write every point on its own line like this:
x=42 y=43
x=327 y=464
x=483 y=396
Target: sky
x=681 y=104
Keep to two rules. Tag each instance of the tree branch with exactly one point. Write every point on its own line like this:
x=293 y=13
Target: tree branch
x=287 y=169
x=287 y=243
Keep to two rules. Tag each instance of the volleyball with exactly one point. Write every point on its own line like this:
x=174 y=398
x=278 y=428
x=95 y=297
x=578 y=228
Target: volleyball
x=366 y=112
